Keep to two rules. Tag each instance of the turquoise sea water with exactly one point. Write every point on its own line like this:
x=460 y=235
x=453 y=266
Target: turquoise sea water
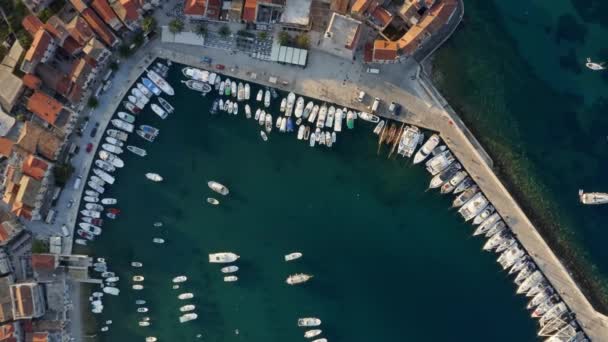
x=390 y=261
x=515 y=72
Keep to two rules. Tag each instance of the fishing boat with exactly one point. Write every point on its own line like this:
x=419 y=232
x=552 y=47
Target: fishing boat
x=198 y=86
x=293 y=256
x=142 y=88
x=223 y=257
x=263 y=136
x=155 y=177
x=230 y=269
x=439 y=162
x=595 y=66
x=240 y=96
x=247 y=111
x=91 y=199
x=125 y=126
x=230 y=278
x=298 y=278
x=473 y=207
x=147 y=136
x=112 y=148
x=212 y=201
x=111 y=158
x=450 y=185
x=301 y=132
x=131 y=107
x=247 y=91
x=187 y=317
x=104 y=176
x=126 y=117
x=136 y=150
x=350 y=119
x=120 y=135
x=267 y=99
x=158 y=240
x=312 y=333
x=160 y=82
x=104 y=165
x=268 y=123
x=159 y=111
x=299 y=107
x=218 y=187
x=151 y=86
x=593 y=197
x=309 y=322
x=187 y=308
x=259 y=96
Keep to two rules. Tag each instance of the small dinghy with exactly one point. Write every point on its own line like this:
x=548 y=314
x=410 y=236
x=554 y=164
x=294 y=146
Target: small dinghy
x=212 y=201
x=231 y=279
x=137 y=287
x=155 y=177
x=263 y=135
x=230 y=269
x=293 y=256
x=158 y=240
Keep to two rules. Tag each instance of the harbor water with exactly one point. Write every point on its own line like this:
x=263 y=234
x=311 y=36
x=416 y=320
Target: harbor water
x=515 y=71
x=391 y=261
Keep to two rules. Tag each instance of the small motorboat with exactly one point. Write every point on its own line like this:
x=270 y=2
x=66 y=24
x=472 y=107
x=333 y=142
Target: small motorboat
x=158 y=224
x=159 y=111
x=231 y=278
x=283 y=105
x=187 y=317
x=137 y=287
x=185 y=296
x=143 y=324
x=312 y=333
x=187 y=308
x=293 y=256
x=595 y=66
x=91 y=199
x=309 y=322
x=212 y=201
x=138 y=278
x=180 y=279
x=126 y=117
x=267 y=99
x=136 y=264
x=259 y=96
x=111 y=290
x=218 y=187
x=158 y=240
x=155 y=177
x=230 y=269
x=109 y=201
x=140 y=302
x=298 y=278
x=151 y=339
x=369 y=117
x=142 y=310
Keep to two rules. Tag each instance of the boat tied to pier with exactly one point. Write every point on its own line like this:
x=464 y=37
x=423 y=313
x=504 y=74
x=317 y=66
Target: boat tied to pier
x=591 y=198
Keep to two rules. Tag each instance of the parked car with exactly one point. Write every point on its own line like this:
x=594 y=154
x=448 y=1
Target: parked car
x=361 y=96
x=220 y=66
x=206 y=59
x=65 y=231
x=70 y=203
x=375 y=105
x=93 y=132
x=89 y=147
x=395 y=108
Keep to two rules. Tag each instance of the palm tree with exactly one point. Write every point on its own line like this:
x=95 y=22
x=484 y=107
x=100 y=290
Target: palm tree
x=224 y=31
x=176 y=26
x=201 y=30
x=148 y=24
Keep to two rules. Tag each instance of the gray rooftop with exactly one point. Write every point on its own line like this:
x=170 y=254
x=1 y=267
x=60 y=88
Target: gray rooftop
x=11 y=88
x=297 y=12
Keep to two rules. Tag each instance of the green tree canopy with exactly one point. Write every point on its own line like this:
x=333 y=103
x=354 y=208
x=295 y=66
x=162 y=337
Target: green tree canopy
x=284 y=38
x=303 y=41
x=225 y=31
x=176 y=26
x=201 y=29
x=93 y=102
x=149 y=24
x=262 y=35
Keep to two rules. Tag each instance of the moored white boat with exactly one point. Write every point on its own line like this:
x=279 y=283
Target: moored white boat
x=180 y=279
x=299 y=107
x=114 y=141
x=293 y=256
x=159 y=111
x=218 y=187
x=91 y=199
x=267 y=98
x=427 y=148
x=137 y=150
x=309 y=322
x=111 y=290
x=160 y=82
x=126 y=117
x=104 y=176
x=112 y=148
x=283 y=105
x=263 y=135
x=298 y=278
x=120 y=135
x=593 y=197
x=247 y=91
x=368 y=117
x=223 y=257
x=231 y=278
x=268 y=123
x=329 y=121
x=155 y=177
x=247 y=111
x=184 y=296
x=473 y=207
x=125 y=126
x=187 y=308
x=230 y=269
x=312 y=333
x=111 y=158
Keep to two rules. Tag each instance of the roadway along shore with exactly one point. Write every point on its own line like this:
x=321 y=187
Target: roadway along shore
x=329 y=79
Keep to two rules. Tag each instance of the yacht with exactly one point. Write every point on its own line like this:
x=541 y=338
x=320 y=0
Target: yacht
x=142 y=310
x=187 y=308
x=293 y=256
x=595 y=66
x=126 y=117
x=593 y=197
x=309 y=322
x=97 y=180
x=196 y=74
x=180 y=279
x=217 y=187
x=540 y=297
x=509 y=256
x=143 y=324
x=338 y=120
x=299 y=107
x=114 y=141
x=445 y=175
x=230 y=269
x=159 y=111
x=530 y=281
x=496 y=228
x=291 y=100
x=283 y=105
x=322 y=116
x=185 y=296
x=145 y=135
x=142 y=88
x=125 y=126
x=111 y=290
x=160 y=82
x=138 y=151
x=231 y=278
x=91 y=193
x=450 y=185
x=487 y=224
x=120 y=135
x=313 y=139
x=465 y=185
x=223 y=257
x=247 y=111
x=439 y=162
x=155 y=177
x=482 y=216
x=473 y=207
x=149 y=129
x=235 y=108
x=151 y=86
x=495 y=240
x=306 y=132
x=262 y=118
x=187 y=317
x=247 y=91
x=151 y=339
x=308 y=109
x=312 y=333
x=298 y=278
x=505 y=244
x=112 y=148
x=267 y=98
x=368 y=117
x=268 y=123
x=166 y=105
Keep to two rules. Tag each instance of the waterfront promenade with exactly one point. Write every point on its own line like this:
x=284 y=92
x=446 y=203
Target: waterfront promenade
x=332 y=80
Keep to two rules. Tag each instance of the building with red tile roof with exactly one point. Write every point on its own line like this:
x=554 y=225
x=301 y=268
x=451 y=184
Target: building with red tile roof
x=36 y=140
x=45 y=262
x=31 y=24
x=6 y=147
x=339 y=6
x=381 y=17
x=34 y=167
x=249 y=11
x=360 y=7
x=128 y=12
x=40 y=337
x=56 y=27
x=11 y=332
x=99 y=27
x=31 y=81
x=28 y=300
x=203 y=9
x=79 y=30
x=9 y=230
x=105 y=11
x=79 y=5
x=42 y=49
x=96 y=53
x=384 y=51
x=44 y=107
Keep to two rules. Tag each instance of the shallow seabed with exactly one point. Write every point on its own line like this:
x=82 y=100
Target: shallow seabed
x=390 y=261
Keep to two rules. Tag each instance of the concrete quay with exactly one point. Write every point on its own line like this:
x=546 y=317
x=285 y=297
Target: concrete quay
x=329 y=79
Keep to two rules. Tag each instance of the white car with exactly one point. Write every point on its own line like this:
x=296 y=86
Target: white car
x=65 y=231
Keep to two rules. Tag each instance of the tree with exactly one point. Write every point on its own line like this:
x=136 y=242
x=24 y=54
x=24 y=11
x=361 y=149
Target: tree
x=138 y=40
x=284 y=38
x=201 y=30
x=176 y=26
x=21 y=117
x=39 y=246
x=124 y=50
x=92 y=102
x=113 y=66
x=149 y=24
x=225 y=31
x=262 y=35
x=302 y=41
x=62 y=173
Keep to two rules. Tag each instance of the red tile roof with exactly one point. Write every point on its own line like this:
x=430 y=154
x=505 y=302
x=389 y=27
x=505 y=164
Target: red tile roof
x=383 y=16
x=56 y=27
x=249 y=11
x=40 y=44
x=360 y=6
x=7 y=332
x=40 y=337
x=71 y=46
x=79 y=5
x=214 y=9
x=6 y=146
x=131 y=7
x=105 y=11
x=385 y=50
x=195 y=7
x=99 y=27
x=44 y=106
x=31 y=23
x=43 y=261
x=34 y=167
x=80 y=30
x=31 y=81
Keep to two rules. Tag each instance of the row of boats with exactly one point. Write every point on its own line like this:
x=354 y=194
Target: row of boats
x=448 y=175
